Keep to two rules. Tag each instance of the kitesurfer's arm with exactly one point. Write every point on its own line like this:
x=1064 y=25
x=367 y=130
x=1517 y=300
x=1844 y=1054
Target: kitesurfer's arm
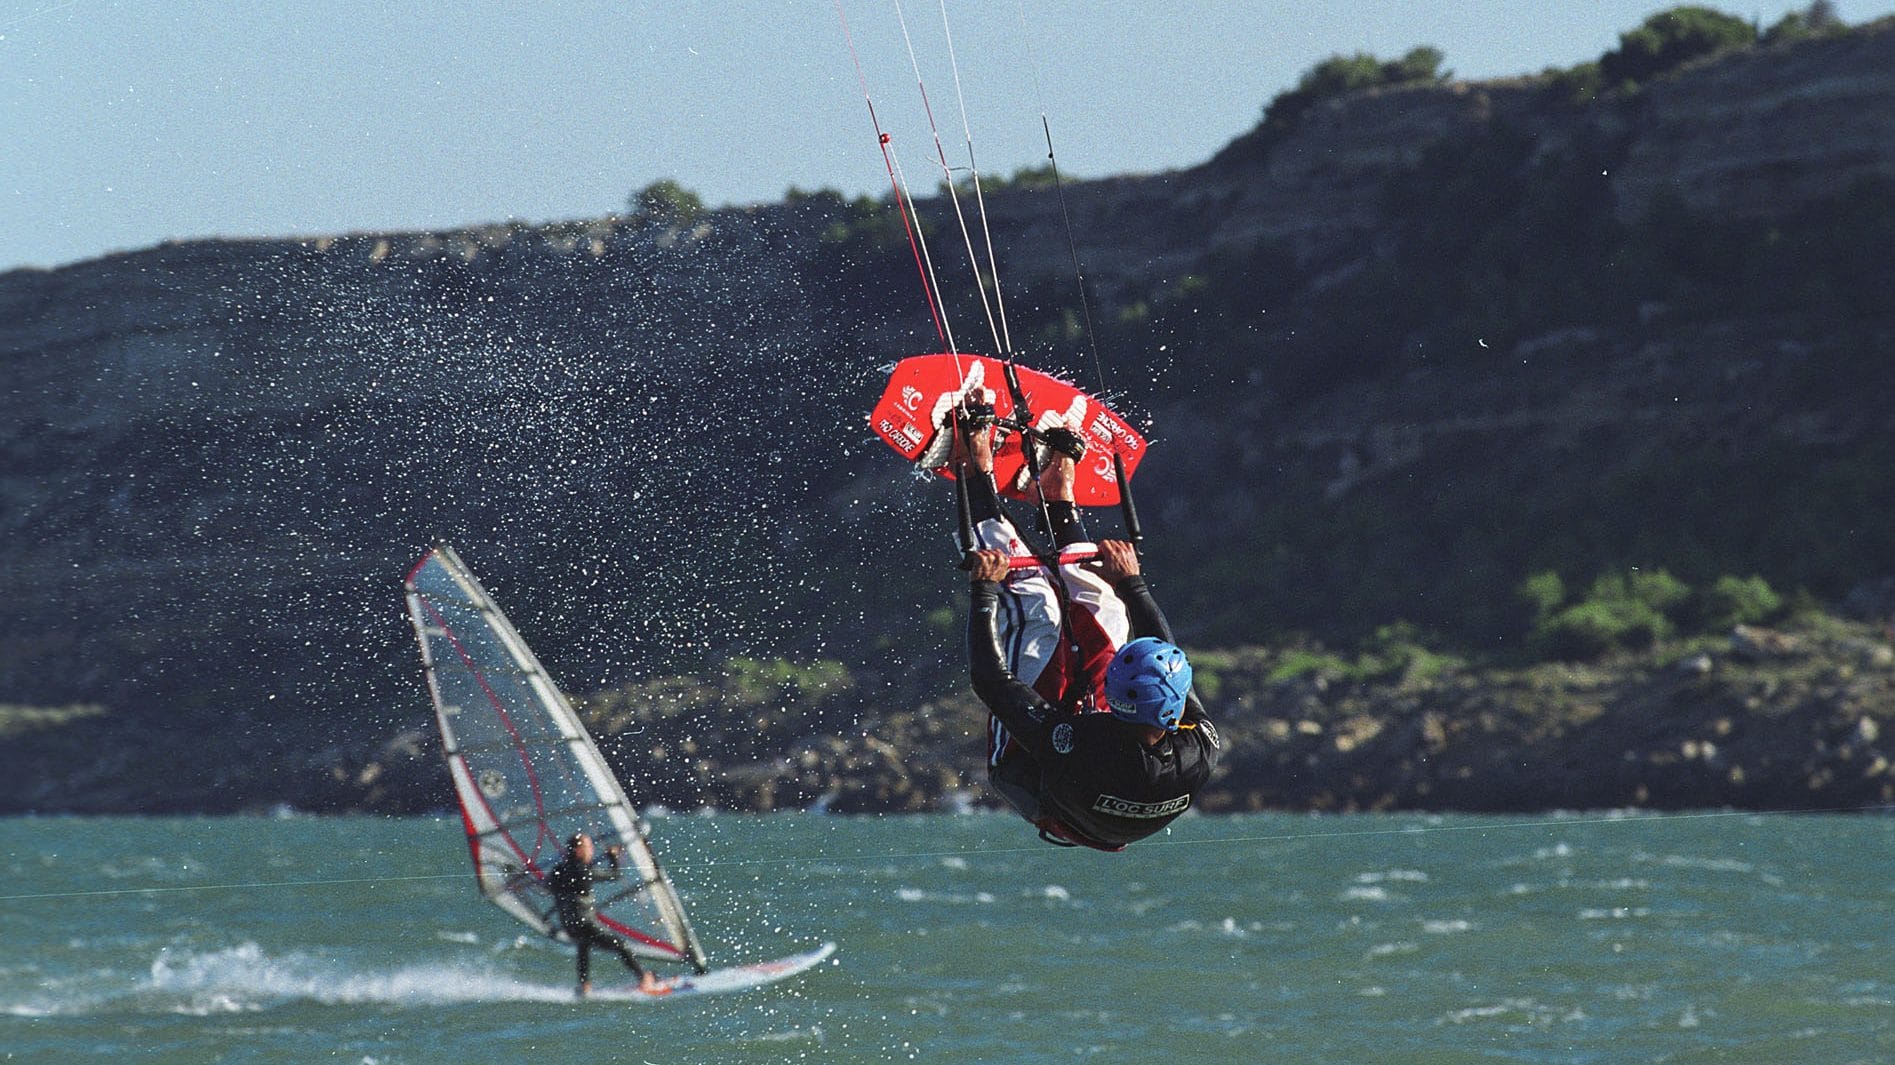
x=1118 y=565
x=1017 y=705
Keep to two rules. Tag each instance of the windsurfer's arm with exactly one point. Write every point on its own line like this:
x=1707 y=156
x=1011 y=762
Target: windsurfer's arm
x=1017 y=705
x=611 y=872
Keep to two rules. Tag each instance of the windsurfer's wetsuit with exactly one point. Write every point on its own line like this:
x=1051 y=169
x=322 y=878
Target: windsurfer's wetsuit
x=1062 y=760
x=571 y=881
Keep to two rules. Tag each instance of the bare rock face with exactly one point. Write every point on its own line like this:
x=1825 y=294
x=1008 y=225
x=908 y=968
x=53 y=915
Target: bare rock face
x=1321 y=190
x=216 y=456
x=1318 y=195
x=1757 y=134
x=1754 y=134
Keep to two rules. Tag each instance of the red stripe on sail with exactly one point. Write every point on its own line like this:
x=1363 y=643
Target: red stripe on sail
x=533 y=783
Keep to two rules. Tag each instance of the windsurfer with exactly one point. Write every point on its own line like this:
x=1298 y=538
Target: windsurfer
x=1096 y=737
x=571 y=882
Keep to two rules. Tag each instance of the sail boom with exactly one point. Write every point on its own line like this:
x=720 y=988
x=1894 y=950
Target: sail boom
x=509 y=745
x=509 y=827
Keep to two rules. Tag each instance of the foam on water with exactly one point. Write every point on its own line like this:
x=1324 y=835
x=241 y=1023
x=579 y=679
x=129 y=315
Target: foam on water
x=245 y=977
x=911 y=894
x=1410 y=876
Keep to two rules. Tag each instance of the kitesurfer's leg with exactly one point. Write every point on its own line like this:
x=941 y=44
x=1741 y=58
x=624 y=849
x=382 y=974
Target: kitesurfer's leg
x=1096 y=618
x=973 y=459
x=1056 y=491
x=584 y=943
x=1030 y=610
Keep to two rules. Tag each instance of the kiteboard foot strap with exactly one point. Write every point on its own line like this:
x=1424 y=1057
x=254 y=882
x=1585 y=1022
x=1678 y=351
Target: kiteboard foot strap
x=1058 y=440
x=971 y=415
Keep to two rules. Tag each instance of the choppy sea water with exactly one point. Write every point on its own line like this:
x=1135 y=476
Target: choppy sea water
x=1579 y=938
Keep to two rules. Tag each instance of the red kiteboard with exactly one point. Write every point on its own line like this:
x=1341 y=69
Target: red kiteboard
x=922 y=389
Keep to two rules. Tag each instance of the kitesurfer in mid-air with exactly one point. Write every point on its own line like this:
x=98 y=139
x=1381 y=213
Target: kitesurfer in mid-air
x=571 y=882
x=1097 y=737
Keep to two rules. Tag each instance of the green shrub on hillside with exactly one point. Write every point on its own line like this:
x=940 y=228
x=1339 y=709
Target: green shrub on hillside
x=1677 y=36
x=1818 y=20
x=1399 y=650
x=1655 y=588
x=1575 y=84
x=823 y=199
x=1740 y=601
x=1669 y=40
x=1541 y=593
x=1635 y=609
x=1335 y=76
x=1628 y=611
x=1404 y=650
x=1026 y=177
x=1303 y=663
x=1340 y=75
x=1597 y=627
x=762 y=679
x=667 y=202
x=869 y=225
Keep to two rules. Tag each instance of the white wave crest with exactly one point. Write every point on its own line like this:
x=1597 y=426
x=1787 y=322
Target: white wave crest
x=245 y=978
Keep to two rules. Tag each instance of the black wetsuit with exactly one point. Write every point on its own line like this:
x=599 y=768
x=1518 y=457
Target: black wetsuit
x=571 y=881
x=1098 y=783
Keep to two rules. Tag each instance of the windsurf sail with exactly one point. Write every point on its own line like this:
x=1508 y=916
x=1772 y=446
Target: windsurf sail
x=526 y=772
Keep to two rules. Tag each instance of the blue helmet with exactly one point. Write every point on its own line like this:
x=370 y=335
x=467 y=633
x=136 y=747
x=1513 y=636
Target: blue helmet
x=1147 y=682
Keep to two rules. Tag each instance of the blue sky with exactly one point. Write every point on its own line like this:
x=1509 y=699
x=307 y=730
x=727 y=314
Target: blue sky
x=128 y=122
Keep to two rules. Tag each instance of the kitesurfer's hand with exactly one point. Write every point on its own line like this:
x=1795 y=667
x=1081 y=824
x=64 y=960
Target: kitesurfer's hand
x=989 y=566
x=615 y=852
x=1117 y=560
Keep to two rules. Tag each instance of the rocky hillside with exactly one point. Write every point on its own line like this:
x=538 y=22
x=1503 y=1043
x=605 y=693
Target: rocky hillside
x=1428 y=341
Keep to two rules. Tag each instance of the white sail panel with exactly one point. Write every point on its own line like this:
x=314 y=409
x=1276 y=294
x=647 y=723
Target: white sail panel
x=525 y=772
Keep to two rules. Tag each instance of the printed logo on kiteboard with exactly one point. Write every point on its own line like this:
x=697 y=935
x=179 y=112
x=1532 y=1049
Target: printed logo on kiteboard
x=908 y=424
x=1108 y=428
x=910 y=436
